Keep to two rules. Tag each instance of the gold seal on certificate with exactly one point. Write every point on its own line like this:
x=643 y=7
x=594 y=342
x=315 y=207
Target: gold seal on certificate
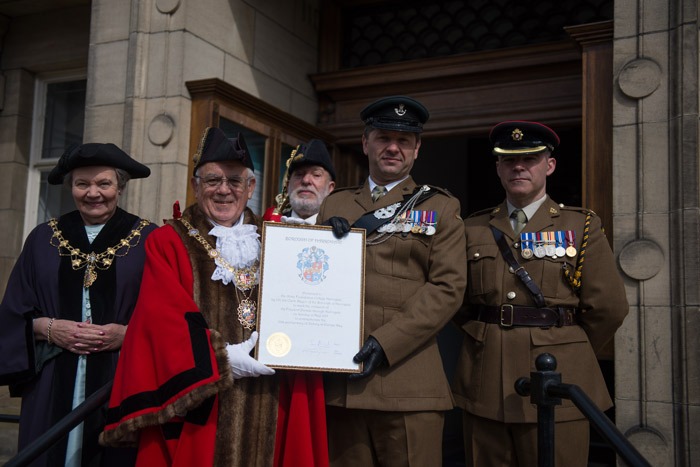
x=278 y=344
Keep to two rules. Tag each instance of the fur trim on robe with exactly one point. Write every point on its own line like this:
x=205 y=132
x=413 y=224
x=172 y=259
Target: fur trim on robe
x=174 y=362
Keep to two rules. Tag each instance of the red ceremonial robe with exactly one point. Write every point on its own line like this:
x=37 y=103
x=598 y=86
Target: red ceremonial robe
x=173 y=371
x=168 y=367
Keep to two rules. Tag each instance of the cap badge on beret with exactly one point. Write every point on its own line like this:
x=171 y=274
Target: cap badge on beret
x=517 y=135
x=401 y=111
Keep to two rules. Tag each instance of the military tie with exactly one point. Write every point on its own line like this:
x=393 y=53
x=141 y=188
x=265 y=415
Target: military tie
x=520 y=220
x=377 y=192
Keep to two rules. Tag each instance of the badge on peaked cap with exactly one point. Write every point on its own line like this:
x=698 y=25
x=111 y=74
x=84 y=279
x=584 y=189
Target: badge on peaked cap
x=520 y=137
x=397 y=113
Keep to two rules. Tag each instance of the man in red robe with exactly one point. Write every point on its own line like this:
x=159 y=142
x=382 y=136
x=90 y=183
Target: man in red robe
x=187 y=390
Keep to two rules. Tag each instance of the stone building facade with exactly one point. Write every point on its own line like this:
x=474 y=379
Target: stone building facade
x=151 y=67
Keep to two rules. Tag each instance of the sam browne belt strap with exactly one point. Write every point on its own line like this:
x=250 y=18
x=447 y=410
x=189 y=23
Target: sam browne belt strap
x=517 y=268
x=513 y=315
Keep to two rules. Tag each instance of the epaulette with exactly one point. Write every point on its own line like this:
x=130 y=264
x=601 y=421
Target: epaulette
x=345 y=188
x=491 y=210
x=444 y=191
x=578 y=209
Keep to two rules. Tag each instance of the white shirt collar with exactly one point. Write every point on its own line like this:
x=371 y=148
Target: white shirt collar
x=388 y=187
x=295 y=218
x=530 y=209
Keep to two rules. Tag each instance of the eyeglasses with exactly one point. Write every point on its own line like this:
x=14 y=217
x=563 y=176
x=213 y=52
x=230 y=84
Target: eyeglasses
x=235 y=183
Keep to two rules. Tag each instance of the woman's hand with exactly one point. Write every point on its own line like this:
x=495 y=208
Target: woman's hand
x=100 y=338
x=82 y=338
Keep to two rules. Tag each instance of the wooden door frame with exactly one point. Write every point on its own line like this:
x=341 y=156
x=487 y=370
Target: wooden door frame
x=213 y=99
x=563 y=84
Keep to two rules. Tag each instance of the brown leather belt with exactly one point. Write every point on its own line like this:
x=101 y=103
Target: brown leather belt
x=513 y=315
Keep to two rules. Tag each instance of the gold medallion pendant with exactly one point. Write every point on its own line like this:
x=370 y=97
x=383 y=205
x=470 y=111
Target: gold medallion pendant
x=247 y=313
x=244 y=279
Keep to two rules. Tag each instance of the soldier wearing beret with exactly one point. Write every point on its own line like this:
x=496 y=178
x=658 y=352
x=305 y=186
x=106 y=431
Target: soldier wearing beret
x=392 y=413
x=570 y=309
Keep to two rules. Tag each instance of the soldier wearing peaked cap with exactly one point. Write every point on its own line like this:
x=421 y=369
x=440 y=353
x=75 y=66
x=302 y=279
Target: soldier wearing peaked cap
x=392 y=412
x=571 y=309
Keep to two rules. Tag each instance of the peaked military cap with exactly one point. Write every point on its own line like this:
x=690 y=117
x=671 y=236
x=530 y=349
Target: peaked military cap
x=517 y=137
x=398 y=113
x=96 y=154
x=215 y=146
x=312 y=153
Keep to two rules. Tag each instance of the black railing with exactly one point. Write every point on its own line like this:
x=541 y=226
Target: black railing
x=546 y=390
x=62 y=428
x=9 y=418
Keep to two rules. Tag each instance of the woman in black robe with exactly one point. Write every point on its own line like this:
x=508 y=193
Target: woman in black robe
x=68 y=302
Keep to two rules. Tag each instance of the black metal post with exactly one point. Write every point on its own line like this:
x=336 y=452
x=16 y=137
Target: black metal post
x=545 y=389
x=540 y=380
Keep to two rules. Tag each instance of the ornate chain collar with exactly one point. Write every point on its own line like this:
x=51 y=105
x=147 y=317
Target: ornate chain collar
x=243 y=278
x=93 y=261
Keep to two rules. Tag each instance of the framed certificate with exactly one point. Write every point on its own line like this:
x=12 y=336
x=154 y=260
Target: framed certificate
x=311 y=298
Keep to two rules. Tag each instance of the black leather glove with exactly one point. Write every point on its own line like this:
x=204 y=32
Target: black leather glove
x=372 y=355
x=340 y=225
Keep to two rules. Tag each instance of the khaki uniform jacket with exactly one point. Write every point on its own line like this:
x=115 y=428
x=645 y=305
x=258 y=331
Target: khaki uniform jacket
x=414 y=284
x=493 y=357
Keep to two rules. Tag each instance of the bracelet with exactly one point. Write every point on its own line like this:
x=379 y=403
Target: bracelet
x=48 y=331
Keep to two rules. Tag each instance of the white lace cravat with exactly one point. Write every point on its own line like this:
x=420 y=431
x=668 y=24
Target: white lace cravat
x=238 y=245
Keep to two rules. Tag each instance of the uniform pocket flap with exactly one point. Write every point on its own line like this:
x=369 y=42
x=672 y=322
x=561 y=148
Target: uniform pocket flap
x=480 y=252
x=555 y=335
x=475 y=329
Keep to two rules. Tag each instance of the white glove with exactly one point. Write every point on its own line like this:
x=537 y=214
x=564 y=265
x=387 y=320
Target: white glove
x=242 y=364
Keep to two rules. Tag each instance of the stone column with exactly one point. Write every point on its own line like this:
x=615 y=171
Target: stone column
x=656 y=212
x=135 y=96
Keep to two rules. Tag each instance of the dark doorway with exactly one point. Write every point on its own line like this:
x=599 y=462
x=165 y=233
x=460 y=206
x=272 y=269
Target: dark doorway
x=465 y=166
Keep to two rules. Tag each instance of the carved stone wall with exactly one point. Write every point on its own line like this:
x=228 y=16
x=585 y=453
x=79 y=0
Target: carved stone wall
x=656 y=212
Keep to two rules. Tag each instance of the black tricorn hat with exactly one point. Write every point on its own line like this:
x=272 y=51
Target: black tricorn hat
x=215 y=146
x=314 y=152
x=519 y=137
x=95 y=154
x=398 y=113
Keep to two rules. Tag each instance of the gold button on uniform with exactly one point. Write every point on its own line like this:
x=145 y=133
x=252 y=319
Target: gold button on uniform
x=510 y=295
x=476 y=255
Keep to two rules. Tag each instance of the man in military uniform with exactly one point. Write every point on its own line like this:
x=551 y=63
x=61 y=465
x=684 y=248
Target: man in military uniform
x=570 y=309
x=415 y=273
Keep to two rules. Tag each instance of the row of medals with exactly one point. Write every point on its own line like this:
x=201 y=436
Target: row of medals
x=417 y=222
x=541 y=244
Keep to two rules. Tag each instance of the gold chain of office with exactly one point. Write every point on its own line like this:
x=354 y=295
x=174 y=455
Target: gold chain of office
x=244 y=279
x=93 y=261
